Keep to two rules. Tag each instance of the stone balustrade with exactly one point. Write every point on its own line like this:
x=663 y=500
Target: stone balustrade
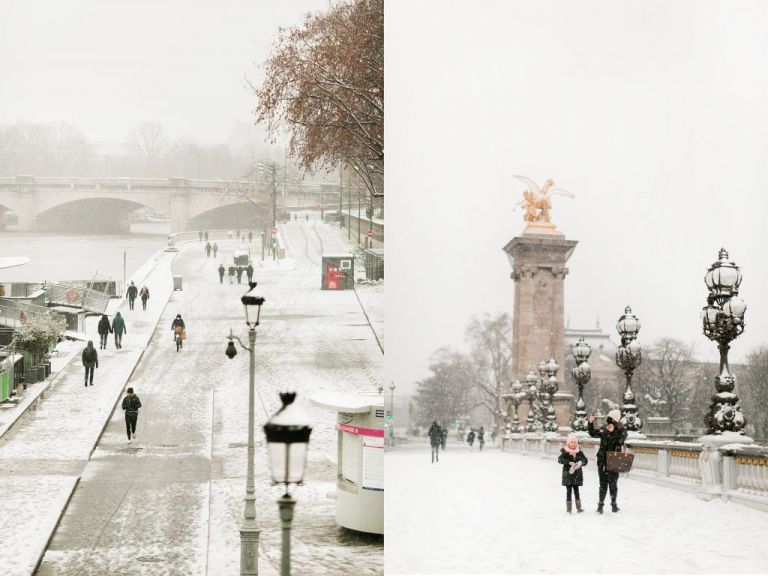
x=740 y=471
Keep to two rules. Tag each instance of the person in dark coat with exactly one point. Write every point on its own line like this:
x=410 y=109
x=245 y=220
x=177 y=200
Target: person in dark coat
x=239 y=274
x=199 y=235
x=132 y=291
x=435 y=438
x=104 y=330
x=493 y=436
x=215 y=249
x=231 y=274
x=144 y=295
x=177 y=327
x=206 y=235
x=221 y=273
x=573 y=460
x=612 y=437
x=208 y=249
x=90 y=360
x=250 y=236
x=471 y=437
x=118 y=327
x=481 y=437
x=443 y=437
x=249 y=272
x=131 y=405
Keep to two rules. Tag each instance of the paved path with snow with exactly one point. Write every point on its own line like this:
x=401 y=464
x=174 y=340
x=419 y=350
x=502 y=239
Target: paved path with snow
x=493 y=512
x=172 y=502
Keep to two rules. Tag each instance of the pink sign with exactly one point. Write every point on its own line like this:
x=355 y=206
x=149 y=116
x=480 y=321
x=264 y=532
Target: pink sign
x=376 y=432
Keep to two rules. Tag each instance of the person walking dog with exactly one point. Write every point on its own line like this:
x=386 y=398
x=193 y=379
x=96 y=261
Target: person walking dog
x=118 y=327
x=573 y=460
x=612 y=437
x=131 y=405
x=104 y=330
x=90 y=360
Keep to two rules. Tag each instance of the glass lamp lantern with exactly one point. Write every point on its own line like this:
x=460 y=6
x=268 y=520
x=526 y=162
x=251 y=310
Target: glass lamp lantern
x=552 y=367
x=628 y=325
x=542 y=368
x=252 y=305
x=287 y=435
x=723 y=277
x=581 y=351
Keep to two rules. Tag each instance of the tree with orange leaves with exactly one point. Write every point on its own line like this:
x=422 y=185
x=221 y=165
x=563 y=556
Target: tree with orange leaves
x=324 y=84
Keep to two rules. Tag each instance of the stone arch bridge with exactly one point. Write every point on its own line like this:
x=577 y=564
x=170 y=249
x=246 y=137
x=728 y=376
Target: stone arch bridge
x=29 y=203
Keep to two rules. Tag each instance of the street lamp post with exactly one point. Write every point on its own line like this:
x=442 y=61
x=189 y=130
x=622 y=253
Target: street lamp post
x=532 y=394
x=543 y=398
x=628 y=358
x=551 y=389
x=515 y=399
x=723 y=322
x=249 y=531
x=581 y=374
x=287 y=435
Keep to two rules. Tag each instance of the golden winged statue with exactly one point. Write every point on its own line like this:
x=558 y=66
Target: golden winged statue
x=536 y=202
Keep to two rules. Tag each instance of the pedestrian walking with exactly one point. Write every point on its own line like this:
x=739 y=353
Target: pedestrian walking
x=90 y=360
x=132 y=291
x=307 y=215
x=481 y=438
x=238 y=234
x=612 y=437
x=104 y=330
x=435 y=438
x=231 y=274
x=206 y=235
x=179 y=331
x=493 y=436
x=573 y=460
x=215 y=249
x=471 y=438
x=208 y=249
x=221 y=273
x=249 y=272
x=131 y=405
x=144 y=295
x=199 y=235
x=239 y=274
x=229 y=234
x=443 y=437
x=118 y=327
x=250 y=236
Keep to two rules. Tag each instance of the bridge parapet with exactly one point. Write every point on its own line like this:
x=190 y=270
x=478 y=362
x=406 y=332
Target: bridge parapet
x=741 y=471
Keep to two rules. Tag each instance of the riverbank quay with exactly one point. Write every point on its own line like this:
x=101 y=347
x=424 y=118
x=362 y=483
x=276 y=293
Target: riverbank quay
x=172 y=502
x=45 y=451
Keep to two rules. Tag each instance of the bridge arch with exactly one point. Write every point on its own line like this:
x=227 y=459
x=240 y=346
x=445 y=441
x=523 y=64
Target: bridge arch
x=97 y=215
x=236 y=215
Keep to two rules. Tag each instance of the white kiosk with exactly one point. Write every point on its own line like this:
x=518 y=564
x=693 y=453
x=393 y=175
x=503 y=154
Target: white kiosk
x=360 y=474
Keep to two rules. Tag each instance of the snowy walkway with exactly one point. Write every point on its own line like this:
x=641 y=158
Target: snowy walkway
x=172 y=502
x=500 y=513
x=49 y=446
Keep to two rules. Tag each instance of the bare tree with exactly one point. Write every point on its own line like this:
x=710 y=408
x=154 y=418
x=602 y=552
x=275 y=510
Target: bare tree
x=444 y=395
x=752 y=383
x=324 y=83
x=490 y=340
x=148 y=142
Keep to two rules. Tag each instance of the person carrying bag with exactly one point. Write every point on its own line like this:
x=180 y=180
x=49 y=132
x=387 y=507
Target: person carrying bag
x=612 y=437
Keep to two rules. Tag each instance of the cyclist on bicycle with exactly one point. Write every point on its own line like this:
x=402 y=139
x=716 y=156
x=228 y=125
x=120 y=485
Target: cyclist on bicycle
x=177 y=326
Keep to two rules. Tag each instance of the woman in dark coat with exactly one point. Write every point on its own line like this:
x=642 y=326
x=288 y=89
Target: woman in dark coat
x=573 y=460
x=104 y=330
x=612 y=437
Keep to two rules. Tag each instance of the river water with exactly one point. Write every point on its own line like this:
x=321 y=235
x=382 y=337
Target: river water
x=58 y=256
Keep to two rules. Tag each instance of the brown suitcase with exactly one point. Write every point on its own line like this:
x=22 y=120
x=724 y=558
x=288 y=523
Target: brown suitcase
x=619 y=461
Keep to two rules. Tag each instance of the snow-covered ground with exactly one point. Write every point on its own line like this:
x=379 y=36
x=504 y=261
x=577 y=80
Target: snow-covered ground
x=501 y=513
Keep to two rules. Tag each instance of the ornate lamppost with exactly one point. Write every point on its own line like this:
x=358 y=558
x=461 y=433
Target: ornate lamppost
x=532 y=393
x=249 y=530
x=551 y=389
x=541 y=412
x=581 y=374
x=628 y=358
x=723 y=322
x=513 y=400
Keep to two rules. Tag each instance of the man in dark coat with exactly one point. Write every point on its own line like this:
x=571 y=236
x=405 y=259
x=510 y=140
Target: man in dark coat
x=90 y=360
x=250 y=236
x=104 y=330
x=443 y=437
x=206 y=235
x=208 y=249
x=118 y=327
x=481 y=437
x=131 y=405
x=132 y=291
x=231 y=274
x=249 y=272
x=221 y=273
x=178 y=327
x=612 y=437
x=435 y=438
x=471 y=437
x=239 y=274
x=215 y=249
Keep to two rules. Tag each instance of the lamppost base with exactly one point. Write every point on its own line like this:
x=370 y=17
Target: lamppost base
x=249 y=549
x=711 y=461
x=635 y=435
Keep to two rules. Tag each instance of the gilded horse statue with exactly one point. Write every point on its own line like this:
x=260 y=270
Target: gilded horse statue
x=536 y=202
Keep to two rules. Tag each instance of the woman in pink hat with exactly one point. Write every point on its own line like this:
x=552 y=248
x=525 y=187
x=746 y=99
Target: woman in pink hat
x=573 y=460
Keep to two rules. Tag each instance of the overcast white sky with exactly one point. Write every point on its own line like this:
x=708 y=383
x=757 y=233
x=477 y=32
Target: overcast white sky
x=105 y=65
x=653 y=113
